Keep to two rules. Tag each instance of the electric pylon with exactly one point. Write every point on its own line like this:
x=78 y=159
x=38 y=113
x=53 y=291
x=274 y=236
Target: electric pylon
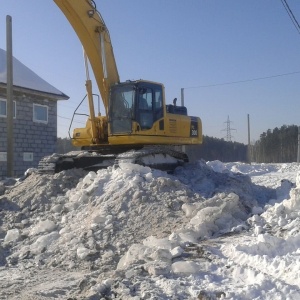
x=228 y=129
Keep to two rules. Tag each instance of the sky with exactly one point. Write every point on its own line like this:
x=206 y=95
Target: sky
x=213 y=49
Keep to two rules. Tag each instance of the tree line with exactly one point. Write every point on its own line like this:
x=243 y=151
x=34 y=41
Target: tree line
x=279 y=145
x=217 y=149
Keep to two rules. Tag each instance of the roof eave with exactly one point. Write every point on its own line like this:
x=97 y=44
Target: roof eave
x=50 y=96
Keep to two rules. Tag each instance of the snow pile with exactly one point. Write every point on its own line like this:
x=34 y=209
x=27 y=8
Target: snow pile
x=135 y=233
x=274 y=250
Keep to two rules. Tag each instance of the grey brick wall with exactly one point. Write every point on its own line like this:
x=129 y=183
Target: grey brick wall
x=29 y=136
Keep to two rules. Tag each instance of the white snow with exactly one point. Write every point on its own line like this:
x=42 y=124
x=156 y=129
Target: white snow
x=210 y=231
x=11 y=235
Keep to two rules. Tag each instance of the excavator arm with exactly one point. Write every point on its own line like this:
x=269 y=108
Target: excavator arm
x=95 y=39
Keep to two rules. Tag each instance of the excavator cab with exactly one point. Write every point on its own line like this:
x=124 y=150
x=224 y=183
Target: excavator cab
x=135 y=107
x=138 y=115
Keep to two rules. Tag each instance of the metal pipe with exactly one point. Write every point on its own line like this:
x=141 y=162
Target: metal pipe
x=182 y=96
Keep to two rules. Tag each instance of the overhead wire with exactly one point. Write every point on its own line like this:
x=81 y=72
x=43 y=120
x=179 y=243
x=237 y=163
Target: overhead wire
x=242 y=81
x=78 y=122
x=291 y=15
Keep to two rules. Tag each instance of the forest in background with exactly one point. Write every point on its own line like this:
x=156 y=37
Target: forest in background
x=274 y=146
x=217 y=149
x=279 y=145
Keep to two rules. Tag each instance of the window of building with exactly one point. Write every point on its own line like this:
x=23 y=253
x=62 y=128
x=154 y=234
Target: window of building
x=3 y=156
x=40 y=113
x=3 y=108
x=27 y=156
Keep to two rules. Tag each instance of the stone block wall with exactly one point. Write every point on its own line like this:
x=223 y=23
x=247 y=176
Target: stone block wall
x=32 y=140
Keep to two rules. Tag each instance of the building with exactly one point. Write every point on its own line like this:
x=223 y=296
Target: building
x=34 y=120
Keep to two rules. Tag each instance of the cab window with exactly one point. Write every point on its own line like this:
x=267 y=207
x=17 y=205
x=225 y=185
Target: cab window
x=145 y=108
x=158 y=105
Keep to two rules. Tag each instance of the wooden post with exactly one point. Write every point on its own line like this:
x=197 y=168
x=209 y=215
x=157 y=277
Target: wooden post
x=183 y=148
x=9 y=85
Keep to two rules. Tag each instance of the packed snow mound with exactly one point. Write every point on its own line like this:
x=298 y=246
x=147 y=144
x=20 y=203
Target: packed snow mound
x=135 y=233
x=38 y=190
x=275 y=249
x=252 y=169
x=203 y=179
x=124 y=205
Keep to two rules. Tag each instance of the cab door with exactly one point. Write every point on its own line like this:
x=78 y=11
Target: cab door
x=148 y=106
x=121 y=110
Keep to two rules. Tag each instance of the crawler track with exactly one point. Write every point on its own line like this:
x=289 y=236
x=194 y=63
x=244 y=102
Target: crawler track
x=154 y=157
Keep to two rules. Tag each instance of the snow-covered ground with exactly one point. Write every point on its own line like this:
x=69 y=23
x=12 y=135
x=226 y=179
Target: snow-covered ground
x=209 y=231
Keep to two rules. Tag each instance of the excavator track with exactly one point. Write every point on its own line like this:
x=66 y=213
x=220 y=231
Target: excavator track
x=78 y=160
x=161 y=158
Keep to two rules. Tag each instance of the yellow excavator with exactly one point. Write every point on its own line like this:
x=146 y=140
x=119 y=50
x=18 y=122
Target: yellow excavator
x=137 y=125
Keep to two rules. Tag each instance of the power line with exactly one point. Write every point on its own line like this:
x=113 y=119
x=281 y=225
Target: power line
x=78 y=122
x=63 y=117
x=242 y=81
x=291 y=15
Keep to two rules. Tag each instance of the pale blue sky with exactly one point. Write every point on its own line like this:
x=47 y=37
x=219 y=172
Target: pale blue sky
x=181 y=43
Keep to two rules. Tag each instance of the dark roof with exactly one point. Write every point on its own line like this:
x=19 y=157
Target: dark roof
x=25 y=78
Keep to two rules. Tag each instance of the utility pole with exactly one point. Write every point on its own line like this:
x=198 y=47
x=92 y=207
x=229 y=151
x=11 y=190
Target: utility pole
x=298 y=153
x=228 y=129
x=248 y=118
x=9 y=86
x=183 y=148
x=249 y=146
